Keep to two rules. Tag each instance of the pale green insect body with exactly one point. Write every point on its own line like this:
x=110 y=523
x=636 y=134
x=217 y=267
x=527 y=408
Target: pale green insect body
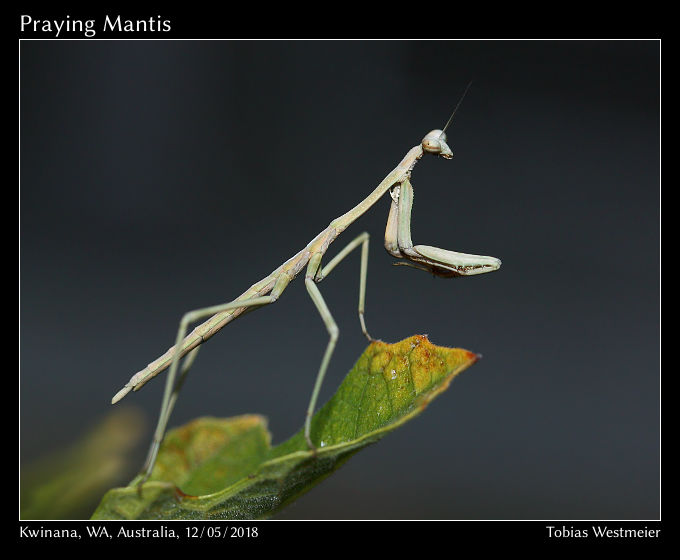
x=440 y=262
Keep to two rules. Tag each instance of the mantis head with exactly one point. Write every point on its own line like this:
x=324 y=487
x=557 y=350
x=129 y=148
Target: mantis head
x=435 y=143
x=435 y=140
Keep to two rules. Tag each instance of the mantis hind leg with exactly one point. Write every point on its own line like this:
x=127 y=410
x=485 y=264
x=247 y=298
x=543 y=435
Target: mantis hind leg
x=172 y=389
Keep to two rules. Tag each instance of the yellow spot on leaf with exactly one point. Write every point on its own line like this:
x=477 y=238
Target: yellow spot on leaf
x=379 y=362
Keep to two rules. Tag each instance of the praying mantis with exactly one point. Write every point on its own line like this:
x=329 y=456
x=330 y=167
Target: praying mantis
x=439 y=262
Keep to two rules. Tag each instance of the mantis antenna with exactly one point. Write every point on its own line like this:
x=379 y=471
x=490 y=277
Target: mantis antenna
x=456 y=108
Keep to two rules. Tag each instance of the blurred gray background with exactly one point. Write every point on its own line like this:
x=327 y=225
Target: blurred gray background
x=162 y=176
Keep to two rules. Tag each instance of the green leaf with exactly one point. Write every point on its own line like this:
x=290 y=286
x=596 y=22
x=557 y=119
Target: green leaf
x=68 y=483
x=226 y=468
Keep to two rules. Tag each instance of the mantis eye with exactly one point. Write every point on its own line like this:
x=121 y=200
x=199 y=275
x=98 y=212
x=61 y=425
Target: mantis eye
x=431 y=145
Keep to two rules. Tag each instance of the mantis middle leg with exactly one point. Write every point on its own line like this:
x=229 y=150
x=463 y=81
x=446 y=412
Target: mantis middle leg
x=313 y=275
